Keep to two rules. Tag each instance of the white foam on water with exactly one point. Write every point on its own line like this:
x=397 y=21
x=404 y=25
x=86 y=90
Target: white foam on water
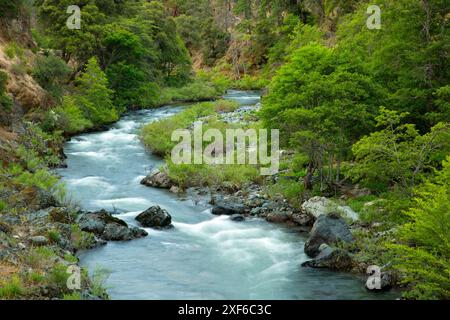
x=123 y=202
x=94 y=181
x=98 y=155
x=138 y=179
x=116 y=136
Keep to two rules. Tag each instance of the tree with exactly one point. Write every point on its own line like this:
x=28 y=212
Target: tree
x=321 y=106
x=94 y=96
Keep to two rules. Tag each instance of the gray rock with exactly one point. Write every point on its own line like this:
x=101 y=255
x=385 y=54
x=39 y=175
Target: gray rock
x=237 y=218
x=158 y=179
x=46 y=199
x=330 y=258
x=318 y=206
x=329 y=229
x=96 y=222
x=117 y=232
x=302 y=219
x=278 y=217
x=155 y=217
x=228 y=209
x=385 y=282
x=39 y=241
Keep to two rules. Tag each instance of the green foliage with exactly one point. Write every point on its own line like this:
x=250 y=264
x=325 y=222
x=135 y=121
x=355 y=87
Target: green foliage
x=51 y=72
x=10 y=8
x=192 y=92
x=57 y=278
x=94 y=96
x=135 y=42
x=12 y=289
x=398 y=154
x=13 y=50
x=192 y=175
x=74 y=296
x=157 y=135
x=320 y=106
x=424 y=258
x=81 y=240
x=5 y=101
x=69 y=117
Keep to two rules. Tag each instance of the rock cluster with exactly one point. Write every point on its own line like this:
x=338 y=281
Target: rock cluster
x=155 y=217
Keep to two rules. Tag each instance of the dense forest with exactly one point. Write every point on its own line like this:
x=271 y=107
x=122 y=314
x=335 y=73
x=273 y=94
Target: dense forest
x=363 y=115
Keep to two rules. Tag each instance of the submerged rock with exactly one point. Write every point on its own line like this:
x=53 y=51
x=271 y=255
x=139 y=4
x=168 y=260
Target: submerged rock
x=278 y=217
x=225 y=209
x=155 y=217
x=158 y=179
x=107 y=227
x=116 y=232
x=328 y=229
x=330 y=258
x=237 y=218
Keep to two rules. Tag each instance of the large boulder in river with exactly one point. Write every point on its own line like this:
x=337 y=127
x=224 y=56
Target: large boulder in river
x=329 y=229
x=155 y=217
x=228 y=209
x=330 y=258
x=117 y=232
x=318 y=206
x=96 y=222
x=107 y=227
x=158 y=179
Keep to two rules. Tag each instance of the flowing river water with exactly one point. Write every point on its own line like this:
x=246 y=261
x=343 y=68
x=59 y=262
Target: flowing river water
x=204 y=256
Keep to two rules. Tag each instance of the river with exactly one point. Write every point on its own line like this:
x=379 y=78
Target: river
x=204 y=256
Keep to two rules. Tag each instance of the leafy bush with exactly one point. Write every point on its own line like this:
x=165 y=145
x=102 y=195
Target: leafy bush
x=5 y=101
x=193 y=175
x=69 y=117
x=14 y=50
x=12 y=289
x=157 y=135
x=398 y=154
x=51 y=72
x=424 y=255
x=81 y=240
x=250 y=83
x=74 y=296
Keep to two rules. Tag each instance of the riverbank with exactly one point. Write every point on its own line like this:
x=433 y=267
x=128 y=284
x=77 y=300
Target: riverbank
x=341 y=249
x=192 y=260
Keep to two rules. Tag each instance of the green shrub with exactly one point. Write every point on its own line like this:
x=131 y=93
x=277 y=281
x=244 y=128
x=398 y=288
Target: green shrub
x=193 y=175
x=3 y=206
x=13 y=50
x=423 y=257
x=58 y=277
x=54 y=236
x=199 y=90
x=75 y=296
x=39 y=257
x=250 y=83
x=5 y=101
x=70 y=117
x=157 y=135
x=12 y=289
x=51 y=72
x=81 y=240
